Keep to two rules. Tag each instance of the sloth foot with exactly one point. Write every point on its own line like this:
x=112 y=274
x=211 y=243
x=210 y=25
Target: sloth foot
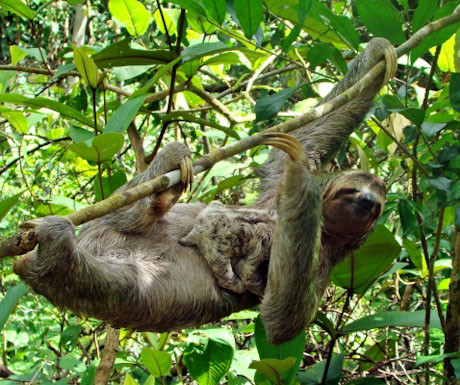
x=286 y=143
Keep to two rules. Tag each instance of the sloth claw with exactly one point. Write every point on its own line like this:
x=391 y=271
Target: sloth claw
x=286 y=143
x=391 y=61
x=186 y=173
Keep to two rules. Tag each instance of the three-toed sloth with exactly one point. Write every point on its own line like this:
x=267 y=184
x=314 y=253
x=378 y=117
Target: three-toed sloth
x=161 y=266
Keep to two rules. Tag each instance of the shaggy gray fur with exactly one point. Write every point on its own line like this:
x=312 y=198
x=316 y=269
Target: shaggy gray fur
x=130 y=269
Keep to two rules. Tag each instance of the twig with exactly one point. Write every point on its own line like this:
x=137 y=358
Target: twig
x=108 y=357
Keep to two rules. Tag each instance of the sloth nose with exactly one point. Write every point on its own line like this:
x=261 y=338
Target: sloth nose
x=367 y=200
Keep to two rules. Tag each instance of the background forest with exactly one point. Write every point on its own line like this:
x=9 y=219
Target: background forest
x=90 y=90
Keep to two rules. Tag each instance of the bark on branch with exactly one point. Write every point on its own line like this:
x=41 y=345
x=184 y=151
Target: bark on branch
x=25 y=241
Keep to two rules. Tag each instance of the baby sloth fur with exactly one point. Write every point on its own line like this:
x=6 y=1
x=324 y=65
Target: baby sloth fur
x=160 y=266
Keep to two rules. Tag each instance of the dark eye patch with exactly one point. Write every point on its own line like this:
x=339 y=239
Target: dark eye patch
x=345 y=191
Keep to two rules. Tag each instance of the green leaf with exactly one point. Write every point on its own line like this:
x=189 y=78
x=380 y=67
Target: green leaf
x=295 y=32
x=79 y=134
x=121 y=54
x=86 y=67
x=454 y=91
x=157 y=362
x=132 y=14
x=441 y=183
x=158 y=75
x=367 y=263
x=50 y=104
x=434 y=358
x=208 y=362
x=292 y=348
x=304 y=9
x=9 y=301
x=216 y=9
x=124 y=115
x=267 y=108
x=314 y=375
x=382 y=19
x=190 y=5
x=7 y=204
x=129 y=380
x=423 y=13
x=18 y=8
x=17 y=120
x=322 y=52
x=273 y=368
x=110 y=184
x=432 y=128
x=100 y=149
x=16 y=54
x=249 y=13
x=393 y=318
x=438 y=37
x=69 y=337
x=88 y=376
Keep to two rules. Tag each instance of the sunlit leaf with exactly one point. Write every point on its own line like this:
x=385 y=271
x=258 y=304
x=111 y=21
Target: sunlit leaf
x=7 y=204
x=40 y=102
x=86 y=67
x=17 y=7
x=100 y=149
x=132 y=14
x=157 y=362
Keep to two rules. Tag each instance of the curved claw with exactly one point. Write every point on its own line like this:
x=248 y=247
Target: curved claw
x=186 y=173
x=391 y=61
x=286 y=143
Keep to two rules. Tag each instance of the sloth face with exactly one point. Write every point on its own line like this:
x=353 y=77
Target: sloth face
x=352 y=203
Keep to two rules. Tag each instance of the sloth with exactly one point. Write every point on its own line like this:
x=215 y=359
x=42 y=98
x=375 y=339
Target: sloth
x=159 y=265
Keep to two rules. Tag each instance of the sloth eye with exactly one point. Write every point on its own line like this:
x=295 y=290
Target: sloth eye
x=345 y=191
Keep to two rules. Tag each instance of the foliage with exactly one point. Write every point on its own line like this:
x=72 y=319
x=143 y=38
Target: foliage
x=209 y=72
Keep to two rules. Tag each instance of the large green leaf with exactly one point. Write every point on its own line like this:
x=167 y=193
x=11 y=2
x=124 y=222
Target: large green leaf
x=121 y=54
x=9 y=301
x=132 y=14
x=367 y=263
x=17 y=7
x=267 y=108
x=210 y=361
x=393 y=318
x=124 y=115
x=382 y=19
x=157 y=362
x=99 y=149
x=423 y=13
x=292 y=348
x=40 y=102
x=7 y=204
x=216 y=9
x=249 y=13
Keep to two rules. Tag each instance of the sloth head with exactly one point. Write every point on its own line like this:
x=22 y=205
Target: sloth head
x=352 y=203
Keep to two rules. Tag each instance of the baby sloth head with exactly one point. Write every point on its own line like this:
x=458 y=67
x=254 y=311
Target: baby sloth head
x=352 y=203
